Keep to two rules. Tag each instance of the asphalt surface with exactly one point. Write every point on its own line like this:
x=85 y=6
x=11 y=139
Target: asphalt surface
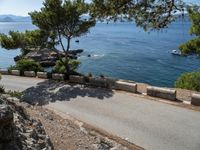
x=150 y=124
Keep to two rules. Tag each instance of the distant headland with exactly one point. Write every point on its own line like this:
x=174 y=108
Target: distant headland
x=14 y=18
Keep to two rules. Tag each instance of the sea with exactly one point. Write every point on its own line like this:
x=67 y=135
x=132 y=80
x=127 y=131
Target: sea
x=122 y=50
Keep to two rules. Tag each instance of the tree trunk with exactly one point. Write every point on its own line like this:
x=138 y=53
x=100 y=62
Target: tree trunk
x=68 y=43
x=67 y=67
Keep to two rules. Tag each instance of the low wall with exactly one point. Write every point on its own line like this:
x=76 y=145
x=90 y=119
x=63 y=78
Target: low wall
x=15 y=72
x=43 y=75
x=125 y=86
x=29 y=74
x=76 y=79
x=195 y=99
x=164 y=93
x=59 y=77
x=99 y=82
x=129 y=86
x=4 y=71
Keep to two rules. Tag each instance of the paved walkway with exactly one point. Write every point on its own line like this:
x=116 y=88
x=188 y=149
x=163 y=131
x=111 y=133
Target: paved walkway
x=149 y=124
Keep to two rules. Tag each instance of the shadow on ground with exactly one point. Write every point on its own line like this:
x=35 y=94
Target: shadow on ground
x=51 y=91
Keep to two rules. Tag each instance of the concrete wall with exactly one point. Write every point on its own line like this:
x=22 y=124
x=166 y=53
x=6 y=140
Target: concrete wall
x=195 y=99
x=164 y=93
x=59 y=77
x=29 y=74
x=15 y=72
x=125 y=86
x=4 y=71
x=76 y=79
x=43 y=75
x=99 y=82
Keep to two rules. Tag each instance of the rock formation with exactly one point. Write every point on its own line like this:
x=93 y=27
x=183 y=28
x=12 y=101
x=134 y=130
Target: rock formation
x=18 y=131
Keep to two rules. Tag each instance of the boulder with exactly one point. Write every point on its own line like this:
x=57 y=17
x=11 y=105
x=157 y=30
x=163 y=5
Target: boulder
x=75 y=52
x=7 y=132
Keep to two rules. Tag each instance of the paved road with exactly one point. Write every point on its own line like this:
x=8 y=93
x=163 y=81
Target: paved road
x=149 y=124
x=16 y=83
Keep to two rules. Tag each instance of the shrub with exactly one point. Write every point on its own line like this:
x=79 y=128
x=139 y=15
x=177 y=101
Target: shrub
x=190 y=81
x=26 y=65
x=60 y=66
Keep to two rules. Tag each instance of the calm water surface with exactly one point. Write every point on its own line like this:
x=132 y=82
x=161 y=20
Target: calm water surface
x=124 y=51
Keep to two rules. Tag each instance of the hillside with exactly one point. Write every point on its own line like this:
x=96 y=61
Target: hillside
x=13 y=18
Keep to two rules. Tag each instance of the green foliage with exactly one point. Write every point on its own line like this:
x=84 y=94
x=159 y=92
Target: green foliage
x=61 y=66
x=190 y=81
x=27 y=40
x=153 y=14
x=27 y=65
x=193 y=46
x=63 y=18
x=194 y=14
x=14 y=94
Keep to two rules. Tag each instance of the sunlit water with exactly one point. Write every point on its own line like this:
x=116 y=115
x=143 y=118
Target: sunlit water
x=124 y=51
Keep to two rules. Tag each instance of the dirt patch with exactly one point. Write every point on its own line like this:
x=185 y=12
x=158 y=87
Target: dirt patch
x=73 y=135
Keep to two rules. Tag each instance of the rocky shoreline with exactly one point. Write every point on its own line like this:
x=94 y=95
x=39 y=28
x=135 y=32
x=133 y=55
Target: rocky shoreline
x=47 y=57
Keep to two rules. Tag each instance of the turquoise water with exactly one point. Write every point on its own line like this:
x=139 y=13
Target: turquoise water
x=124 y=51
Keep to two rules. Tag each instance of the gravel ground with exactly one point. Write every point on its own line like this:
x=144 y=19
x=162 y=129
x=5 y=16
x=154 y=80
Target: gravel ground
x=71 y=135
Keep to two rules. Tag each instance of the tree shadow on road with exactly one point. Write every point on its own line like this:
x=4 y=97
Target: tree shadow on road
x=51 y=91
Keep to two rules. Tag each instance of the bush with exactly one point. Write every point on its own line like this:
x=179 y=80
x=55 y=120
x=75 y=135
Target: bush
x=26 y=65
x=190 y=81
x=60 y=66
